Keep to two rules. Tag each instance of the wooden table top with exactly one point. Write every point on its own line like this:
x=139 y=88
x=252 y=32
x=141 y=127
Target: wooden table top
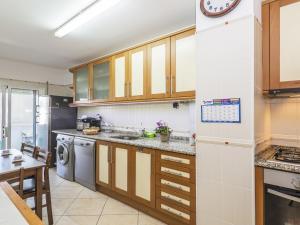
x=7 y=166
x=14 y=210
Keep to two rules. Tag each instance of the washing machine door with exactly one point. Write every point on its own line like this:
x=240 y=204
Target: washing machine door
x=62 y=154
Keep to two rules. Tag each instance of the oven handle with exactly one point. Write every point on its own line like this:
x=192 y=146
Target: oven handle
x=279 y=194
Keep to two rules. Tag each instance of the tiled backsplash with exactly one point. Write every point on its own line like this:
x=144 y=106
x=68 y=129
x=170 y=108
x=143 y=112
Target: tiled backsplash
x=181 y=120
x=285 y=121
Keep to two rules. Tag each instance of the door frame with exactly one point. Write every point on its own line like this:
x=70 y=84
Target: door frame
x=8 y=110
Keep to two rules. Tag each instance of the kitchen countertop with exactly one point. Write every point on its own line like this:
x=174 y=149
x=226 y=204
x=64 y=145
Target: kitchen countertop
x=262 y=160
x=178 y=146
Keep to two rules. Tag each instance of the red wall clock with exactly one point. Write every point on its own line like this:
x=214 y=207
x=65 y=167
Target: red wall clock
x=217 y=8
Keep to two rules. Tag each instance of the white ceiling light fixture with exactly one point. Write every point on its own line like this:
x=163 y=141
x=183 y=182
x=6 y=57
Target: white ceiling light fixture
x=85 y=15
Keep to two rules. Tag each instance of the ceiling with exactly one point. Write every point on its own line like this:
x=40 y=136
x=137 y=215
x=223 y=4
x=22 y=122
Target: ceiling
x=27 y=28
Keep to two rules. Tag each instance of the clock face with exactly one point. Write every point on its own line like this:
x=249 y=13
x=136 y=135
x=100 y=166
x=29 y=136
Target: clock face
x=216 y=8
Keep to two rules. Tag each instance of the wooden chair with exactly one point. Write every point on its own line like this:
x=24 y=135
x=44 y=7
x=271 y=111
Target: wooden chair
x=29 y=150
x=26 y=187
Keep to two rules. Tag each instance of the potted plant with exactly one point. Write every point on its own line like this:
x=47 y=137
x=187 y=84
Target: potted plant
x=164 y=130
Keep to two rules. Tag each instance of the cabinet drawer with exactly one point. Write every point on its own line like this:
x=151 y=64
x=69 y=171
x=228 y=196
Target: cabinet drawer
x=175 y=159
x=180 y=214
x=184 y=174
x=179 y=187
x=175 y=172
x=175 y=198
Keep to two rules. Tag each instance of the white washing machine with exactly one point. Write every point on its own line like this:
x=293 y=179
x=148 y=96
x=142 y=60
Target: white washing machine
x=65 y=156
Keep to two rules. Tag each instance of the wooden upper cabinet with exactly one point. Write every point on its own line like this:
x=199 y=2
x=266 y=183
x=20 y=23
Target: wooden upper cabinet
x=159 y=82
x=119 y=77
x=100 y=82
x=284 y=43
x=162 y=69
x=183 y=64
x=137 y=78
x=81 y=81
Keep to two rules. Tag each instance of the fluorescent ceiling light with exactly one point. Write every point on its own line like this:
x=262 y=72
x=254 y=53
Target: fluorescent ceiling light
x=88 y=13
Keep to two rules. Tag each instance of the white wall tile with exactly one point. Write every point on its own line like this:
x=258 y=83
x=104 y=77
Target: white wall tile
x=285 y=121
x=146 y=115
x=237 y=166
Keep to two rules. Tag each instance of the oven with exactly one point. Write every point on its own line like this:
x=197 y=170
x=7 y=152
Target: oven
x=282 y=198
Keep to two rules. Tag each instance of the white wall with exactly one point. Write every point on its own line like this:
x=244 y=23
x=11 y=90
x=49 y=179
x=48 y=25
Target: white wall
x=227 y=67
x=36 y=73
x=181 y=120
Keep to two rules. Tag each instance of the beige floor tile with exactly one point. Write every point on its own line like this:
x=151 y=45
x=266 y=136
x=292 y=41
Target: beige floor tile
x=118 y=220
x=67 y=183
x=115 y=207
x=78 y=220
x=55 y=219
x=66 y=192
x=148 y=220
x=87 y=193
x=86 y=207
x=59 y=206
x=55 y=180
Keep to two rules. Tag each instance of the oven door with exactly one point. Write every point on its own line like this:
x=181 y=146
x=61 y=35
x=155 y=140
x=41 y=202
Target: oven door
x=282 y=206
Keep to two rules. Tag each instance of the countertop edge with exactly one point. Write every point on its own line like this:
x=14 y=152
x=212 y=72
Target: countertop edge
x=128 y=142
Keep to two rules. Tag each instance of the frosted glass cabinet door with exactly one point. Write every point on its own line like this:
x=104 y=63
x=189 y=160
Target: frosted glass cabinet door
x=119 y=75
x=183 y=63
x=103 y=164
x=120 y=169
x=159 y=68
x=137 y=72
x=81 y=77
x=101 y=77
x=144 y=176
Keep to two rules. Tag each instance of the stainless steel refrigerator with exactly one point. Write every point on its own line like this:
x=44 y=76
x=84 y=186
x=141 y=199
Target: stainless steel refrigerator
x=53 y=113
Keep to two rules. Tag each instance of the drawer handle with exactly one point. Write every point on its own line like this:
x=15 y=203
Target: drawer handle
x=173 y=160
x=170 y=211
x=170 y=198
x=173 y=173
x=174 y=186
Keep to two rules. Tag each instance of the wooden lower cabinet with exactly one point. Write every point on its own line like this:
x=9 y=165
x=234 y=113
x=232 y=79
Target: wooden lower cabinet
x=121 y=169
x=103 y=164
x=144 y=176
x=259 y=196
x=134 y=176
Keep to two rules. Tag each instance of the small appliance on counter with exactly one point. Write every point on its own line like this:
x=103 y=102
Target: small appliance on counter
x=89 y=122
x=79 y=125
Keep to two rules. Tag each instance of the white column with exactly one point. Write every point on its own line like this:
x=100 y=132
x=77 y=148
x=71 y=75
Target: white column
x=226 y=69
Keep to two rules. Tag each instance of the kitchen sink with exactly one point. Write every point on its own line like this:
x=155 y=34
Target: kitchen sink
x=126 y=137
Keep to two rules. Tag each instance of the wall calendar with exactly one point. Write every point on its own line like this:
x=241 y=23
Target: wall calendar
x=221 y=111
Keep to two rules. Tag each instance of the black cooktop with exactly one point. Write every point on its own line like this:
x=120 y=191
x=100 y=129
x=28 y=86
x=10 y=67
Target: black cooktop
x=287 y=154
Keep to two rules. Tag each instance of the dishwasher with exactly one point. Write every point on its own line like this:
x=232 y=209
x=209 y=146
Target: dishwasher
x=85 y=162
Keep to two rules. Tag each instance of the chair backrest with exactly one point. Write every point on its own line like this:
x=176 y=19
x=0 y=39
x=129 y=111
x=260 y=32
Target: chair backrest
x=44 y=157
x=20 y=180
x=29 y=150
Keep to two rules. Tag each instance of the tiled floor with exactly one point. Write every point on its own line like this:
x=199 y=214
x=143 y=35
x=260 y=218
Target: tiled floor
x=73 y=204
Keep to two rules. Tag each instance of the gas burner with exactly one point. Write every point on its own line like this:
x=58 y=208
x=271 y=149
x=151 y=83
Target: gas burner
x=287 y=154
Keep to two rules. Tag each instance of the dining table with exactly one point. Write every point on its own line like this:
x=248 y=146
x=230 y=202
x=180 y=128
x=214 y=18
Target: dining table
x=32 y=167
x=14 y=210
